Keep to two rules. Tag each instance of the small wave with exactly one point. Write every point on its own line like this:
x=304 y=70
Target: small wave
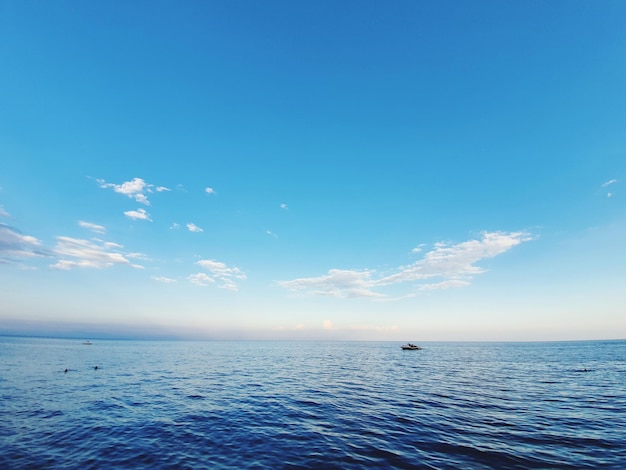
x=173 y=408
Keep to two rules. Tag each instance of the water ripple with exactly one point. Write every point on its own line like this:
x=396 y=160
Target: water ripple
x=319 y=405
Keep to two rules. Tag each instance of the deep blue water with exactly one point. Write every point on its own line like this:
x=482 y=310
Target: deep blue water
x=311 y=405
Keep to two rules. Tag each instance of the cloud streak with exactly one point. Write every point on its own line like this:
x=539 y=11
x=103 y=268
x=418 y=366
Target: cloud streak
x=93 y=227
x=163 y=279
x=446 y=266
x=69 y=252
x=337 y=283
x=78 y=253
x=609 y=183
x=14 y=246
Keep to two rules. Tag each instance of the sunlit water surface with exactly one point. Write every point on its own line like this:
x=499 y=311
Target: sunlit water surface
x=311 y=405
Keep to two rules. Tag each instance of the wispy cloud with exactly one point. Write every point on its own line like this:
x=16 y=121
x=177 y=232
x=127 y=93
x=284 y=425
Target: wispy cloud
x=337 y=283
x=271 y=234
x=77 y=253
x=284 y=206
x=14 y=246
x=139 y=256
x=194 y=228
x=139 y=214
x=452 y=261
x=609 y=183
x=219 y=272
x=165 y=280
x=209 y=190
x=450 y=265
x=201 y=279
x=135 y=189
x=3 y=213
x=93 y=227
x=444 y=285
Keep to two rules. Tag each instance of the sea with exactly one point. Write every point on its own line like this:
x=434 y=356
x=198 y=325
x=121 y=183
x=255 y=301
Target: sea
x=306 y=405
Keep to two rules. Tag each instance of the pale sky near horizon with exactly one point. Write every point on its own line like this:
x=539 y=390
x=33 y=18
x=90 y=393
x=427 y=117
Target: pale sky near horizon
x=403 y=170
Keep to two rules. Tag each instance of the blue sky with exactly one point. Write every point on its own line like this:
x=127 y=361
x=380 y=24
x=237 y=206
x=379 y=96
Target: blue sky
x=313 y=170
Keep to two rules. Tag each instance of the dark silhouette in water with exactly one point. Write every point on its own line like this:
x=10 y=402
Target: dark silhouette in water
x=96 y=368
x=66 y=370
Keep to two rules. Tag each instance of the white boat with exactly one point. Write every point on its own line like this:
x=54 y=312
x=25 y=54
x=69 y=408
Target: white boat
x=410 y=347
x=87 y=342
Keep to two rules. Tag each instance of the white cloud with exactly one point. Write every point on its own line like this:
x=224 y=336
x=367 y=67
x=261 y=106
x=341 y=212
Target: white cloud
x=194 y=228
x=3 y=213
x=418 y=248
x=139 y=214
x=14 y=246
x=453 y=264
x=219 y=272
x=165 y=280
x=93 y=227
x=76 y=253
x=134 y=189
x=174 y=226
x=284 y=206
x=209 y=190
x=453 y=261
x=337 y=283
x=70 y=252
x=201 y=279
x=271 y=234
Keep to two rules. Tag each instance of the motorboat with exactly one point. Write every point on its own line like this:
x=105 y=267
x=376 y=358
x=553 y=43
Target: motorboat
x=87 y=342
x=410 y=347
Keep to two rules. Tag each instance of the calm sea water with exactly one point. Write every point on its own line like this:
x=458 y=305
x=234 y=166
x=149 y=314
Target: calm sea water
x=311 y=405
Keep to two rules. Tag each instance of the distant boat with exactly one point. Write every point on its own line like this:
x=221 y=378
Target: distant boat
x=87 y=342
x=410 y=347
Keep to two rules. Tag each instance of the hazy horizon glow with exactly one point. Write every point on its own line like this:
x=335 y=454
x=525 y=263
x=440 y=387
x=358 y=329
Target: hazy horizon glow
x=313 y=170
